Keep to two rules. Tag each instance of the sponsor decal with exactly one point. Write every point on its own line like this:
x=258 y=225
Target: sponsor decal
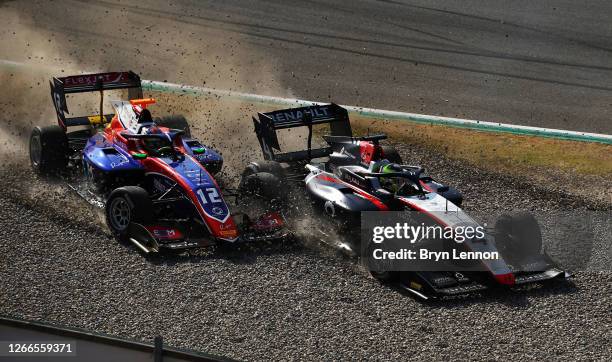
x=197 y=176
x=213 y=204
x=88 y=80
x=119 y=161
x=292 y=115
x=165 y=233
x=231 y=233
x=355 y=180
x=97 y=119
x=209 y=195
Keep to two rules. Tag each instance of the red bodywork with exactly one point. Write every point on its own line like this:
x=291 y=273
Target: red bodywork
x=369 y=152
x=226 y=229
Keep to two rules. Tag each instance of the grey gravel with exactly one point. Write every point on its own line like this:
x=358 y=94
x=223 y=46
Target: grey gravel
x=58 y=264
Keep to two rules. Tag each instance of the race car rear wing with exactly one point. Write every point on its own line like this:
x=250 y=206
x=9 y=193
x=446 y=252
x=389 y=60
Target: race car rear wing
x=269 y=122
x=60 y=86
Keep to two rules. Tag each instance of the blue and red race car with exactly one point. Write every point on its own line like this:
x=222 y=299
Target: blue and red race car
x=154 y=181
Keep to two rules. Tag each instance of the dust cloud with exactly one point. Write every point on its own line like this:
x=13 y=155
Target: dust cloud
x=126 y=38
x=154 y=47
x=163 y=51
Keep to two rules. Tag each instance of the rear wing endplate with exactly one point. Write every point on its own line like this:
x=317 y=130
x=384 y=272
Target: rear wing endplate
x=269 y=122
x=60 y=86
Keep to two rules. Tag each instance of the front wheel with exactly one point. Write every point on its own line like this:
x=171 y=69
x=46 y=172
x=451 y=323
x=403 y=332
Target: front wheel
x=518 y=235
x=126 y=205
x=268 y=166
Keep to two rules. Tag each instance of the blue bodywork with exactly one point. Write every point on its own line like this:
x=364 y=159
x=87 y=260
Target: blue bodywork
x=105 y=156
x=203 y=185
x=207 y=158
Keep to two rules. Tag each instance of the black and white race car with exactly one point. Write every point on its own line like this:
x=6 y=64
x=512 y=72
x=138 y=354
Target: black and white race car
x=352 y=175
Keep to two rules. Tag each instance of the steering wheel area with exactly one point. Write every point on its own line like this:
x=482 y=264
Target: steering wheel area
x=165 y=150
x=405 y=181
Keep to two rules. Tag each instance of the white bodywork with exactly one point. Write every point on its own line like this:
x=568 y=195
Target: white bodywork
x=128 y=118
x=451 y=215
x=445 y=213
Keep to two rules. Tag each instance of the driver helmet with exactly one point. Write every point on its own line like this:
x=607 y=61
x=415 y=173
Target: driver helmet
x=390 y=168
x=390 y=184
x=145 y=117
x=143 y=120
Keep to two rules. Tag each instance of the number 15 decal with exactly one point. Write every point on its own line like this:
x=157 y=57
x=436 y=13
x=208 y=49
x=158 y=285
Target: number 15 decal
x=211 y=195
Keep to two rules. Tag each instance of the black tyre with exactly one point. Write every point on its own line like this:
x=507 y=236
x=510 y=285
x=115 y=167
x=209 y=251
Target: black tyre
x=518 y=235
x=263 y=185
x=381 y=271
x=48 y=150
x=391 y=154
x=175 y=122
x=126 y=205
x=453 y=195
x=268 y=166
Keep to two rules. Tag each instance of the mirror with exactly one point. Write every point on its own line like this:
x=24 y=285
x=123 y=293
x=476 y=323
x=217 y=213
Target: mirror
x=442 y=189
x=139 y=155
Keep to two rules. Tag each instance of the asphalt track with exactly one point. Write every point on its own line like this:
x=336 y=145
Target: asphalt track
x=545 y=63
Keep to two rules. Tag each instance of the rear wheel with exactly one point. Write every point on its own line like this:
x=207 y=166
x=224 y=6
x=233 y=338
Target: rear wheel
x=48 y=150
x=382 y=271
x=126 y=205
x=175 y=122
x=268 y=166
x=391 y=154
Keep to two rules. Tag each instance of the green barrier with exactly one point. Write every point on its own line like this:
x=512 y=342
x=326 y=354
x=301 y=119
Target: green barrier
x=388 y=115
